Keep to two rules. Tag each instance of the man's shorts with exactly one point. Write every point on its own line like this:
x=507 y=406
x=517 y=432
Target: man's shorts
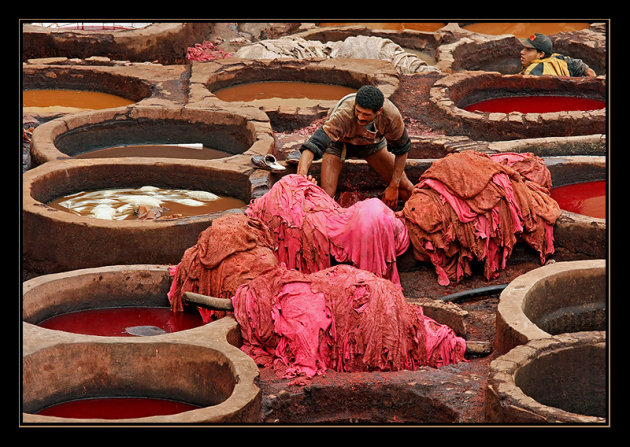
x=353 y=150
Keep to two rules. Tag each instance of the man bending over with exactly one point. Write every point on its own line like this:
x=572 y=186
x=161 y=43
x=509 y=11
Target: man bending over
x=362 y=125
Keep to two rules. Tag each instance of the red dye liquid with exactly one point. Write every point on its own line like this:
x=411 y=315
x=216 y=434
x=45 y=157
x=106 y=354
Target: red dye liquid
x=536 y=104
x=116 y=408
x=588 y=198
x=114 y=322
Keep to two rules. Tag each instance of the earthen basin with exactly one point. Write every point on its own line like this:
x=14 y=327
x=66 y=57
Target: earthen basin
x=207 y=77
x=223 y=130
x=468 y=50
x=164 y=42
x=212 y=373
x=580 y=234
x=472 y=52
x=560 y=379
x=452 y=93
x=49 y=295
x=524 y=29
x=59 y=366
x=422 y=39
x=115 y=81
x=553 y=299
x=55 y=240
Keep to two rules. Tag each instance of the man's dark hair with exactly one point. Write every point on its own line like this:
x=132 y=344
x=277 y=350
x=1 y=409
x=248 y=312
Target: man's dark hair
x=370 y=97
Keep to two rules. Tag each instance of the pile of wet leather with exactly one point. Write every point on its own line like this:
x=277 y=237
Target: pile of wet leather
x=314 y=285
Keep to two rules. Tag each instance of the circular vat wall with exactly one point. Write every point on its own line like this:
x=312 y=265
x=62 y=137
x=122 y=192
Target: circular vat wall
x=118 y=286
x=559 y=379
x=553 y=299
x=422 y=40
x=451 y=94
x=209 y=77
x=578 y=233
x=495 y=46
x=85 y=79
x=224 y=131
x=213 y=377
x=55 y=240
x=588 y=44
x=163 y=42
x=480 y=52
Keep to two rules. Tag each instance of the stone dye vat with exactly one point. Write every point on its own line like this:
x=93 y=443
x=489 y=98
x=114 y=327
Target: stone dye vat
x=278 y=93
x=472 y=52
x=51 y=91
x=145 y=202
x=126 y=300
x=420 y=39
x=554 y=146
x=587 y=198
x=550 y=300
x=396 y=26
x=589 y=44
x=536 y=104
x=453 y=93
x=165 y=42
x=48 y=101
x=227 y=132
x=524 y=29
x=209 y=77
x=213 y=376
x=558 y=379
x=468 y=48
x=55 y=240
x=577 y=233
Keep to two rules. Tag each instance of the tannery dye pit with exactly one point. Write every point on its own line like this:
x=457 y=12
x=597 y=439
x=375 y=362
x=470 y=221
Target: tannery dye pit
x=535 y=104
x=190 y=151
x=480 y=297
x=146 y=202
x=123 y=321
x=69 y=100
x=116 y=408
x=588 y=198
x=283 y=92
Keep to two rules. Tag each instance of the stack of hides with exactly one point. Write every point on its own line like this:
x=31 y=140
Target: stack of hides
x=475 y=206
x=298 y=314
x=339 y=318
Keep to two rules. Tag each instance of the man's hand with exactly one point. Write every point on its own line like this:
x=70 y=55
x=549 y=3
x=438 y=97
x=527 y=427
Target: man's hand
x=390 y=196
x=311 y=178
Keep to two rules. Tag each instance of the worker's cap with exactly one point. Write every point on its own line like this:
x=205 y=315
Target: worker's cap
x=539 y=42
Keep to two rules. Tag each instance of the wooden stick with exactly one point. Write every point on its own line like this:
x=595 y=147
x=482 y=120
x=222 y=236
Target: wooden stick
x=209 y=302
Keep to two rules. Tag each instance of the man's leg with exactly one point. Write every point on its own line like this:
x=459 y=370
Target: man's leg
x=383 y=163
x=331 y=168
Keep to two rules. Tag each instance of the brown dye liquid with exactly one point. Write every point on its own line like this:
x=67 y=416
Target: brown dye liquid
x=398 y=26
x=274 y=93
x=156 y=150
x=70 y=101
x=525 y=29
x=133 y=203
